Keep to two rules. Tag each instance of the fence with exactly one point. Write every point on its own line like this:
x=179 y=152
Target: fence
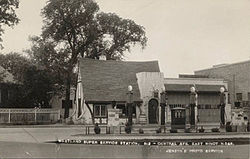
x=26 y=116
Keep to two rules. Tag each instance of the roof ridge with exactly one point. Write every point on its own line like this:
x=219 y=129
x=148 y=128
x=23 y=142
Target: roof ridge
x=226 y=65
x=82 y=59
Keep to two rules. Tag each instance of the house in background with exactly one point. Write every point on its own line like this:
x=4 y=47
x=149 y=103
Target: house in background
x=7 y=88
x=57 y=102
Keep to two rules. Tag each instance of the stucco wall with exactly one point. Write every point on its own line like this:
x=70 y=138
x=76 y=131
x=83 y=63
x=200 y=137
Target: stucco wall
x=148 y=82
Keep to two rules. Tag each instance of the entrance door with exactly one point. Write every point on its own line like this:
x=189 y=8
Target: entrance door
x=178 y=117
x=153 y=111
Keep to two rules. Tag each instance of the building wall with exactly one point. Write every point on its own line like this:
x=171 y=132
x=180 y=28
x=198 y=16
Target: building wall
x=57 y=100
x=207 y=111
x=183 y=98
x=148 y=83
x=237 y=75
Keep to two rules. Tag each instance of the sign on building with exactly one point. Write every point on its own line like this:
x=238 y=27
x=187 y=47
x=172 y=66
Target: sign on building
x=113 y=117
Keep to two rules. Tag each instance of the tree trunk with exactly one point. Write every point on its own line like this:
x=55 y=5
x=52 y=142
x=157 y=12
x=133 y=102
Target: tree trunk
x=67 y=98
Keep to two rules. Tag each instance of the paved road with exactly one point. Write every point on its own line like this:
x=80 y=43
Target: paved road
x=34 y=150
x=36 y=135
x=30 y=142
x=41 y=135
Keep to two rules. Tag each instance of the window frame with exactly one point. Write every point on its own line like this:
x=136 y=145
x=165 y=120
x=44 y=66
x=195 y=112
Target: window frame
x=100 y=111
x=122 y=115
x=239 y=95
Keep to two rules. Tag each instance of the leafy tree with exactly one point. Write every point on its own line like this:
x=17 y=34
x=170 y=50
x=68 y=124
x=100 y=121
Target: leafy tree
x=36 y=86
x=74 y=28
x=33 y=81
x=2 y=75
x=16 y=64
x=7 y=15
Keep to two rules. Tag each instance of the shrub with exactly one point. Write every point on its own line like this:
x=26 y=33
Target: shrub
x=228 y=127
x=158 y=130
x=188 y=130
x=173 y=130
x=97 y=129
x=215 y=130
x=201 y=130
x=128 y=128
x=141 y=131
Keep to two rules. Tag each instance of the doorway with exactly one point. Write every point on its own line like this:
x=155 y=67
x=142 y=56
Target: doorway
x=153 y=111
x=178 y=117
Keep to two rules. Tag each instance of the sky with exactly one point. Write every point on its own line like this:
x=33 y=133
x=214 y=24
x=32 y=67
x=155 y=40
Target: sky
x=183 y=36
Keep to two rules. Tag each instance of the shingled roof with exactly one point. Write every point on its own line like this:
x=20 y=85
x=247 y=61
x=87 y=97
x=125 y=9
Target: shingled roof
x=107 y=81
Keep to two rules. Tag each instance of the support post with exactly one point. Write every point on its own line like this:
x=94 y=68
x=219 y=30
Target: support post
x=58 y=117
x=35 y=115
x=193 y=105
x=130 y=118
x=130 y=105
x=163 y=106
x=9 y=116
x=222 y=106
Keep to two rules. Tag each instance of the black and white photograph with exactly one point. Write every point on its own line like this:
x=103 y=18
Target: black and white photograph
x=125 y=79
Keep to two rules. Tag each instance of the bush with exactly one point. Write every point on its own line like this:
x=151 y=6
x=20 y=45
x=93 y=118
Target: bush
x=141 y=131
x=128 y=128
x=201 y=130
x=97 y=129
x=228 y=127
x=188 y=130
x=215 y=130
x=173 y=130
x=158 y=130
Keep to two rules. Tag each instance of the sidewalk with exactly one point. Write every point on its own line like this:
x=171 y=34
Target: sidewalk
x=42 y=135
x=172 y=136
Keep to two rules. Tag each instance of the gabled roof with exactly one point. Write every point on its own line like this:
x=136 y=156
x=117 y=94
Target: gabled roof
x=5 y=76
x=107 y=81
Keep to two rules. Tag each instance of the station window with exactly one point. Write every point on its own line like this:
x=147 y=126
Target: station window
x=239 y=96
x=124 y=110
x=100 y=110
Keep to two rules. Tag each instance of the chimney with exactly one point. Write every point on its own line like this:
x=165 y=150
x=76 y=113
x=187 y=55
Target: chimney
x=103 y=57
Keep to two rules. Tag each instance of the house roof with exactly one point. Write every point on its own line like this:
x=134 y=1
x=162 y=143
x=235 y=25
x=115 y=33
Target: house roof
x=186 y=88
x=5 y=76
x=223 y=66
x=109 y=80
